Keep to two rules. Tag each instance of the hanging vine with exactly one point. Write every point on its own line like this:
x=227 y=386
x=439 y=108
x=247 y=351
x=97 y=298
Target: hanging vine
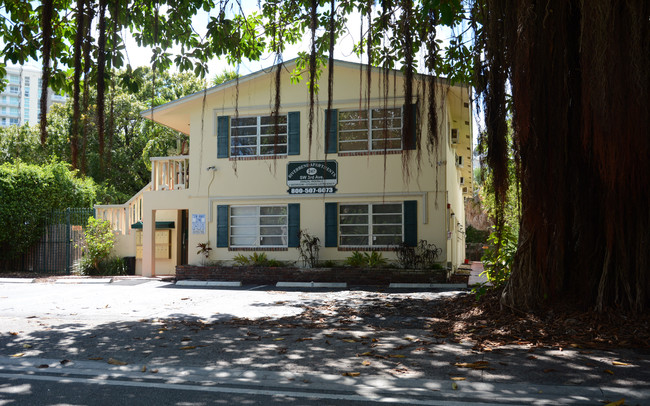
x=46 y=29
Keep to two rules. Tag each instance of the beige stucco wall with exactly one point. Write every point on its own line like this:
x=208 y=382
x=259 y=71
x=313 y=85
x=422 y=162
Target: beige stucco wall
x=433 y=180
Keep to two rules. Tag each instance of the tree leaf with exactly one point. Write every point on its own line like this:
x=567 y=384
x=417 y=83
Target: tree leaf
x=188 y=347
x=351 y=373
x=619 y=402
x=19 y=354
x=113 y=361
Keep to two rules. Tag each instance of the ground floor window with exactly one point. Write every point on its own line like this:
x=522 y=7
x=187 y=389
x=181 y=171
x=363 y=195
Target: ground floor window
x=258 y=226
x=377 y=224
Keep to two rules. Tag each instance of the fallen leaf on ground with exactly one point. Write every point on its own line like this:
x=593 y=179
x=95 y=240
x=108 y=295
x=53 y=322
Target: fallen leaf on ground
x=396 y=356
x=349 y=340
x=19 y=354
x=454 y=386
x=154 y=371
x=618 y=363
x=43 y=366
x=365 y=363
x=185 y=298
x=304 y=339
x=144 y=368
x=351 y=373
x=96 y=358
x=64 y=361
x=188 y=347
x=617 y=403
x=607 y=371
x=458 y=378
x=13 y=333
x=113 y=361
x=278 y=339
x=30 y=346
x=473 y=365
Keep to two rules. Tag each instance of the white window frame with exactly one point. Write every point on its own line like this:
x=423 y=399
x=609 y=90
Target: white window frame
x=369 y=215
x=258 y=136
x=370 y=130
x=258 y=236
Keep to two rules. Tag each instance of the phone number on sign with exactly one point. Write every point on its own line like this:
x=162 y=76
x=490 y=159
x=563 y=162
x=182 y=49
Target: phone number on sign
x=310 y=190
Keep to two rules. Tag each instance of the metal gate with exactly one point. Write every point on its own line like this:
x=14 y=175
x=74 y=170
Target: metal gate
x=59 y=248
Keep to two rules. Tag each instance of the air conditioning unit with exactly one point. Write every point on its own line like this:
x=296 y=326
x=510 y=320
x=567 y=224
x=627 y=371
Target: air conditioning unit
x=454 y=135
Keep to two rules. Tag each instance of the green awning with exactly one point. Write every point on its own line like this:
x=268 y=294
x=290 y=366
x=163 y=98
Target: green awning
x=160 y=225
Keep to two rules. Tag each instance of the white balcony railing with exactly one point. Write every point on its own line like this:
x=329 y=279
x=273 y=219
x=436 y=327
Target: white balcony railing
x=170 y=173
x=122 y=216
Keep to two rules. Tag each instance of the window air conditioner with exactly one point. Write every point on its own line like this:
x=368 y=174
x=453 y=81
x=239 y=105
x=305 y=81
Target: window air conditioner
x=454 y=135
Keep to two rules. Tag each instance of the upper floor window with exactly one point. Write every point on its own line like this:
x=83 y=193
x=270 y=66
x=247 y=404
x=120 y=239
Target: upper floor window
x=14 y=79
x=370 y=130
x=260 y=135
x=13 y=89
x=14 y=101
x=27 y=81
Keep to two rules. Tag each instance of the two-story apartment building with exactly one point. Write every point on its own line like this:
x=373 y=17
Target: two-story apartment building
x=251 y=182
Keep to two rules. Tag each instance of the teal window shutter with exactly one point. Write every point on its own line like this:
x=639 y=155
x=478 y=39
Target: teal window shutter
x=410 y=219
x=222 y=226
x=293 y=147
x=410 y=132
x=331 y=131
x=331 y=225
x=293 y=210
x=223 y=128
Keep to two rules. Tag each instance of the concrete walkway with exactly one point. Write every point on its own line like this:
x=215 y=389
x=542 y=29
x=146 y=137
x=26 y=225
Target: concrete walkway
x=476 y=277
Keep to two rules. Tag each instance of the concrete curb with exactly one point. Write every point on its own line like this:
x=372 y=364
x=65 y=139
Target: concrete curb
x=88 y=281
x=311 y=285
x=208 y=283
x=427 y=286
x=16 y=280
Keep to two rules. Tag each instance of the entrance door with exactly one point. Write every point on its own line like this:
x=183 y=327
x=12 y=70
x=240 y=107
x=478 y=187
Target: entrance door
x=184 y=237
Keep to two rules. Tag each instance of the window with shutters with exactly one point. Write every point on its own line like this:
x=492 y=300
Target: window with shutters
x=375 y=225
x=370 y=130
x=258 y=226
x=257 y=136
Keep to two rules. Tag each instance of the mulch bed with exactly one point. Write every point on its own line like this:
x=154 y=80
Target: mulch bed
x=488 y=325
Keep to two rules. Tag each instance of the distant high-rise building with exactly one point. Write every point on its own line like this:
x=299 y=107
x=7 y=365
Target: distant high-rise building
x=20 y=100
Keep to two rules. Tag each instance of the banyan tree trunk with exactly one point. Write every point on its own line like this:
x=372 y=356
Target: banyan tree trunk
x=580 y=90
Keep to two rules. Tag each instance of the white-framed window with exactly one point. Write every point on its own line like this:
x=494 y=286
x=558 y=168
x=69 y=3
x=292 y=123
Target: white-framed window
x=13 y=79
x=14 y=101
x=370 y=224
x=258 y=226
x=256 y=136
x=376 y=129
x=13 y=89
x=14 y=121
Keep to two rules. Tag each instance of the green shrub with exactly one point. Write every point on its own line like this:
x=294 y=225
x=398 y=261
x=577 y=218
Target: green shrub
x=113 y=266
x=256 y=259
x=355 y=260
x=28 y=193
x=98 y=241
x=474 y=235
x=241 y=260
x=365 y=260
x=374 y=259
x=498 y=258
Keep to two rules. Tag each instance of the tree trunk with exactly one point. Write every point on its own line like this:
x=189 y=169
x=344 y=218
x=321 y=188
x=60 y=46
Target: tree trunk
x=579 y=89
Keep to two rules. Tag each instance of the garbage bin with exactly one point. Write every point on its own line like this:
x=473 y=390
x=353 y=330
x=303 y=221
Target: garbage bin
x=130 y=265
